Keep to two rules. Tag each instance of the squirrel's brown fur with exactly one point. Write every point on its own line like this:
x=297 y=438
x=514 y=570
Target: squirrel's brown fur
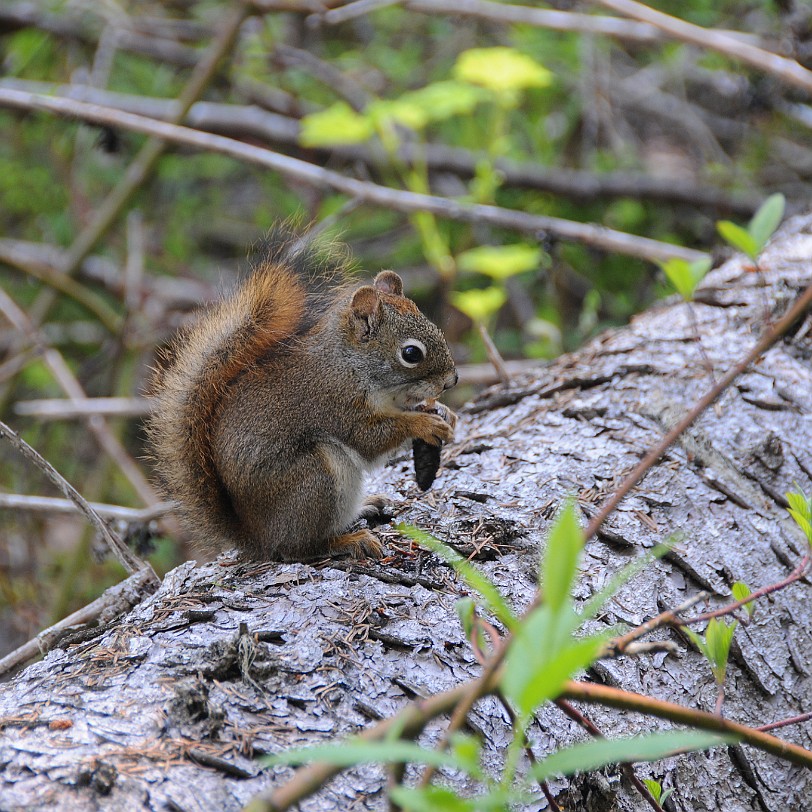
x=275 y=401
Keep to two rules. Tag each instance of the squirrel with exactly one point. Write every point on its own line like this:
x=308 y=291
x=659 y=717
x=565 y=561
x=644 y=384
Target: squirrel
x=273 y=404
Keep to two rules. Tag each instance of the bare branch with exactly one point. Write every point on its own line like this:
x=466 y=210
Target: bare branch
x=61 y=409
x=73 y=389
x=525 y=15
x=787 y=70
x=597 y=236
x=249 y=122
x=49 y=504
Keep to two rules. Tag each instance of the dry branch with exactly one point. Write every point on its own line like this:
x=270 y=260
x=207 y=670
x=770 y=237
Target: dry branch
x=250 y=122
x=597 y=236
x=787 y=70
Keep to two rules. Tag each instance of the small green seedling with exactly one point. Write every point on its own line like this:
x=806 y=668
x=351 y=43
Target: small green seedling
x=740 y=591
x=800 y=508
x=656 y=789
x=764 y=223
x=715 y=645
x=684 y=275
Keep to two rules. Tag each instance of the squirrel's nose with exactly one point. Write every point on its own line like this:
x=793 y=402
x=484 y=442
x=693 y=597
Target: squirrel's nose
x=451 y=380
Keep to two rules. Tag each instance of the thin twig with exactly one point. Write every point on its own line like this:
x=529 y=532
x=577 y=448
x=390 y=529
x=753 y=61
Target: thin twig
x=248 y=122
x=769 y=338
x=123 y=554
x=627 y=700
x=800 y=571
x=494 y=356
x=351 y=10
x=15 y=364
x=308 y=779
x=50 y=504
x=585 y=722
x=408 y=722
x=619 y=644
x=61 y=409
x=787 y=70
x=793 y=720
x=524 y=15
x=597 y=236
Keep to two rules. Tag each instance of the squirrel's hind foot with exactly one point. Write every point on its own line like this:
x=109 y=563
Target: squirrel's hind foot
x=358 y=544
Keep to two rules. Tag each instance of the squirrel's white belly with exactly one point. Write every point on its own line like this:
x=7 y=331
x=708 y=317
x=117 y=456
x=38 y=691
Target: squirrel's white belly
x=347 y=467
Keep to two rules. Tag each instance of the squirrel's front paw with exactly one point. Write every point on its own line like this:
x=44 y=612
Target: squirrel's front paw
x=359 y=544
x=377 y=509
x=432 y=428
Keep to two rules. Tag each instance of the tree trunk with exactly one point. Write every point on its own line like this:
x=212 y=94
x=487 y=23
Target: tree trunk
x=168 y=706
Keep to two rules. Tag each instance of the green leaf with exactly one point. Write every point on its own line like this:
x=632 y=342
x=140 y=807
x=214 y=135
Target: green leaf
x=439 y=101
x=740 y=591
x=654 y=787
x=800 y=508
x=500 y=261
x=351 y=752
x=468 y=572
x=684 y=275
x=698 y=641
x=441 y=799
x=536 y=671
x=466 y=612
x=600 y=752
x=715 y=645
x=564 y=545
x=338 y=124
x=468 y=752
x=501 y=69
x=718 y=637
x=400 y=111
x=430 y=799
x=766 y=220
x=738 y=238
x=479 y=304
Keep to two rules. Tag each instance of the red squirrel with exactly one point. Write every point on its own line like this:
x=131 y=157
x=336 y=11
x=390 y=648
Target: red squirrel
x=273 y=404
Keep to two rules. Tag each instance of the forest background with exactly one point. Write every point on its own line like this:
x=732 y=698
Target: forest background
x=549 y=119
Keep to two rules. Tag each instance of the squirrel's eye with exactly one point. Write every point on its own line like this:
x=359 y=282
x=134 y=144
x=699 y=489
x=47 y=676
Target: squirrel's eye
x=412 y=352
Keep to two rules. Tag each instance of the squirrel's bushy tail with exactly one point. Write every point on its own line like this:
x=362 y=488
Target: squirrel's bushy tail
x=282 y=298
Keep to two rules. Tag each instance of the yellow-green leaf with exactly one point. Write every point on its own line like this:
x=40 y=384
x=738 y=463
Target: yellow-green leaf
x=767 y=219
x=501 y=69
x=684 y=275
x=738 y=238
x=338 y=124
x=500 y=261
x=479 y=304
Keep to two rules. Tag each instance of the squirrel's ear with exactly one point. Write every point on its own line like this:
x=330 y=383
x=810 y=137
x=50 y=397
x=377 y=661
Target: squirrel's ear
x=365 y=309
x=389 y=282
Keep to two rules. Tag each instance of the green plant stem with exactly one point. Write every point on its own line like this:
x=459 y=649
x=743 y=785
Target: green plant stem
x=626 y=700
x=799 y=572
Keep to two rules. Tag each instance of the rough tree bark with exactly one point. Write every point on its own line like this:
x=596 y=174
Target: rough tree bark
x=166 y=707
